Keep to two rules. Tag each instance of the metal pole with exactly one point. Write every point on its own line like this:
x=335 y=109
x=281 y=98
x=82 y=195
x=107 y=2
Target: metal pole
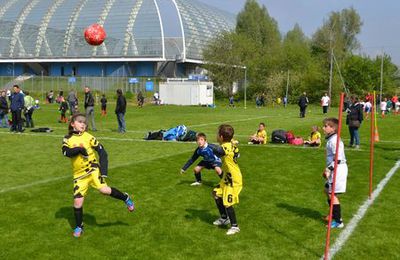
x=287 y=87
x=330 y=74
x=380 y=92
x=245 y=88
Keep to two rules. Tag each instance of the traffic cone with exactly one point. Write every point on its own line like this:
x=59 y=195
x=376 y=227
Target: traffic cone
x=376 y=134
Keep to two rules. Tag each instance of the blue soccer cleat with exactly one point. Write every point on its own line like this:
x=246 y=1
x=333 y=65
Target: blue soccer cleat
x=78 y=231
x=129 y=203
x=335 y=224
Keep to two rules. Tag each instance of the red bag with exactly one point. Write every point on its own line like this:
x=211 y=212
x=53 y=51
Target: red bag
x=289 y=136
x=297 y=141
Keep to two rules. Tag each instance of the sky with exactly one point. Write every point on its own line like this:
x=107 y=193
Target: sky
x=381 y=19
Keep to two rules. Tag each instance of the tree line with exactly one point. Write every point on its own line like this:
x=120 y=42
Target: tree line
x=270 y=59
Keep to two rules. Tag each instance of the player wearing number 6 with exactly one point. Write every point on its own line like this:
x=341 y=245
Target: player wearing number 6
x=226 y=194
x=82 y=147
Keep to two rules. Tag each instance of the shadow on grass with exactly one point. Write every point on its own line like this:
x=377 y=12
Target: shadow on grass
x=204 y=183
x=203 y=215
x=68 y=214
x=302 y=212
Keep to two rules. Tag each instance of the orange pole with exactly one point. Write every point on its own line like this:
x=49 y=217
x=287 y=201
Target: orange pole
x=371 y=148
x=339 y=130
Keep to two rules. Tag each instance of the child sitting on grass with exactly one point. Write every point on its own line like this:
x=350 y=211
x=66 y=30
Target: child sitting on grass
x=315 y=138
x=210 y=160
x=88 y=168
x=260 y=137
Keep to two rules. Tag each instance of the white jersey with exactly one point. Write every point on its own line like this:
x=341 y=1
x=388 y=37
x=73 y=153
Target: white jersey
x=367 y=106
x=383 y=106
x=325 y=101
x=341 y=172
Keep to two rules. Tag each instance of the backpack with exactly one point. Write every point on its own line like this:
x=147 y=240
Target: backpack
x=190 y=136
x=289 y=136
x=174 y=133
x=158 y=135
x=42 y=130
x=297 y=141
x=278 y=136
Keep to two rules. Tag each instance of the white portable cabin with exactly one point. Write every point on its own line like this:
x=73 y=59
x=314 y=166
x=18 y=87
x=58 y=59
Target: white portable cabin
x=187 y=92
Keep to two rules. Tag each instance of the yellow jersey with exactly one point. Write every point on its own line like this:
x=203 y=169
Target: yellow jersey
x=232 y=174
x=262 y=134
x=315 y=136
x=82 y=165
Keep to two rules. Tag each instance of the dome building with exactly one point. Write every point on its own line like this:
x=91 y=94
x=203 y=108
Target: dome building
x=144 y=37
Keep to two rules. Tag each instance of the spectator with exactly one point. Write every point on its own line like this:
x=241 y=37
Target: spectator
x=354 y=120
x=140 y=99
x=285 y=101
x=395 y=99
x=50 y=96
x=103 y=102
x=367 y=109
x=156 y=98
x=120 y=110
x=72 y=101
x=383 y=107
x=16 y=107
x=303 y=102
x=63 y=110
x=3 y=110
x=325 y=101
x=231 y=101
x=29 y=104
x=89 y=108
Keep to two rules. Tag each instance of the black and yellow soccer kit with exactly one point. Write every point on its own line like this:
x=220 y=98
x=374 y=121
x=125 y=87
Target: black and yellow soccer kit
x=87 y=169
x=231 y=183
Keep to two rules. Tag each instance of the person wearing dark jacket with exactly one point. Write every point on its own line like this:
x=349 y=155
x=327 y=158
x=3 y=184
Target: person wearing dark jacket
x=120 y=110
x=303 y=102
x=16 y=107
x=89 y=108
x=354 y=120
x=3 y=110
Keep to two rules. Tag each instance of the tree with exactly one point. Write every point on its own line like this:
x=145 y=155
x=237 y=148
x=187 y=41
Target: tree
x=296 y=50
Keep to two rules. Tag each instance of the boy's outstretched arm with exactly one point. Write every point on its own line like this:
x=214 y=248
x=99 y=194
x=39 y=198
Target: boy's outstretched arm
x=190 y=161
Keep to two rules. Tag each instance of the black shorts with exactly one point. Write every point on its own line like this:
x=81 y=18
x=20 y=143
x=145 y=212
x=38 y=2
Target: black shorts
x=209 y=165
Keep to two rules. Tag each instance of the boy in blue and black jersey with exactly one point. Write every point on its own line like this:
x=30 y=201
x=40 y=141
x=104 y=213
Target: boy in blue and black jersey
x=210 y=160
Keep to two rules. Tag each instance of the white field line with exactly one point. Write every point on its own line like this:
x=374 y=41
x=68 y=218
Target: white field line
x=349 y=229
x=45 y=181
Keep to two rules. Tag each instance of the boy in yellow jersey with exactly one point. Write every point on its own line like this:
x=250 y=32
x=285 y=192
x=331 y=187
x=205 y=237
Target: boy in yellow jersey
x=315 y=137
x=82 y=147
x=226 y=194
x=260 y=137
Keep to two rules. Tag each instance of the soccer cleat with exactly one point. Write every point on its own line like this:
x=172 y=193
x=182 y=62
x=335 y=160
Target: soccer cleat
x=221 y=222
x=233 y=230
x=196 y=183
x=129 y=203
x=78 y=231
x=335 y=224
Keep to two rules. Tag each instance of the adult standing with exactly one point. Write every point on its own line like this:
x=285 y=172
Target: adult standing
x=16 y=107
x=3 y=110
x=120 y=110
x=72 y=101
x=29 y=104
x=325 y=101
x=89 y=108
x=354 y=120
x=303 y=102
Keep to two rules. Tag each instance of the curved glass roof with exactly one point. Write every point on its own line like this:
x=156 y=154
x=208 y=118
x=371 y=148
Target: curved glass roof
x=53 y=29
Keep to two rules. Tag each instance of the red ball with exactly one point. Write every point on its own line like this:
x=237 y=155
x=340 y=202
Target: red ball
x=95 y=34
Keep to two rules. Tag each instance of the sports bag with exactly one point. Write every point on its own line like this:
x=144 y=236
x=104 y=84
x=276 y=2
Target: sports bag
x=174 y=133
x=158 y=135
x=289 y=137
x=278 y=136
x=190 y=136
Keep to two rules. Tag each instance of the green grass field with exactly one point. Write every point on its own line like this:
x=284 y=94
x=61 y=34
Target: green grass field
x=281 y=204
